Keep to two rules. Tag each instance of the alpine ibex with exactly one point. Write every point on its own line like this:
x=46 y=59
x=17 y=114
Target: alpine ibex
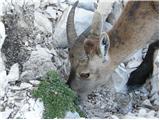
x=134 y=28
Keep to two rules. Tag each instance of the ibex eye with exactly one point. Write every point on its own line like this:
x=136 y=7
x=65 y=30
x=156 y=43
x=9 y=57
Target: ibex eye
x=104 y=41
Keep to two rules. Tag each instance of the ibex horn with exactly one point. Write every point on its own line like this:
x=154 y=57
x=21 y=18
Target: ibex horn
x=70 y=28
x=96 y=24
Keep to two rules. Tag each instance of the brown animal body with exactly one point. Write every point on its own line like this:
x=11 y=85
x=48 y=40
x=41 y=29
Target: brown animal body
x=134 y=28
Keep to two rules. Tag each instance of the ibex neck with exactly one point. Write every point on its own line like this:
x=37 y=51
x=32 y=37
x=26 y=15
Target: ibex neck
x=133 y=30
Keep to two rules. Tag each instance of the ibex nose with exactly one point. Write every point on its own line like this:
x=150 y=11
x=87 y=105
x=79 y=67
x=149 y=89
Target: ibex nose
x=84 y=75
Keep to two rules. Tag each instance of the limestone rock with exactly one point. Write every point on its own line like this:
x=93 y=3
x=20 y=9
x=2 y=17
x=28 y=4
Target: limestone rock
x=85 y=4
x=42 y=22
x=13 y=73
x=115 y=13
x=72 y=115
x=3 y=83
x=2 y=34
x=38 y=64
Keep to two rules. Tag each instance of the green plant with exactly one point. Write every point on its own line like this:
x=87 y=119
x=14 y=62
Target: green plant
x=56 y=96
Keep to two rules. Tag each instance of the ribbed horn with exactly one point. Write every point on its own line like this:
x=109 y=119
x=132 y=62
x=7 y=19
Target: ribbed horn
x=96 y=24
x=70 y=28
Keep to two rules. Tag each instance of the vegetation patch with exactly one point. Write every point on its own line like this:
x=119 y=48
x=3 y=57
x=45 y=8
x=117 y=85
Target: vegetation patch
x=57 y=97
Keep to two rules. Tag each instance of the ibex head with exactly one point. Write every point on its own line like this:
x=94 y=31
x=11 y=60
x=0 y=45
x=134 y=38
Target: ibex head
x=88 y=53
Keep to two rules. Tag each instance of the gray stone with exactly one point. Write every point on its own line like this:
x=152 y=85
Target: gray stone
x=38 y=64
x=115 y=13
x=42 y=22
x=25 y=86
x=34 y=82
x=71 y=115
x=85 y=4
x=13 y=73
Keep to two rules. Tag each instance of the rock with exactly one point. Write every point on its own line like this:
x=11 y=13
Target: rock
x=155 y=99
x=2 y=8
x=32 y=110
x=123 y=102
x=3 y=83
x=115 y=13
x=101 y=97
x=120 y=77
x=2 y=33
x=42 y=22
x=25 y=86
x=51 y=12
x=142 y=112
x=146 y=102
x=151 y=114
x=34 y=82
x=13 y=73
x=114 y=117
x=2 y=38
x=5 y=114
x=83 y=19
x=72 y=115
x=133 y=64
x=15 y=88
x=45 y=3
x=2 y=66
x=156 y=61
x=155 y=83
x=38 y=64
x=136 y=56
x=63 y=6
x=85 y=4
x=14 y=47
x=105 y=7
x=39 y=107
x=106 y=27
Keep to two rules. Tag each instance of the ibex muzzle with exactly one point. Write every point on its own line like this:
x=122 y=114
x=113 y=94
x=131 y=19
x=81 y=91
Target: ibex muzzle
x=134 y=28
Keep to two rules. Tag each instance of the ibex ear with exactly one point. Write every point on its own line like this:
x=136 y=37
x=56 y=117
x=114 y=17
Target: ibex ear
x=104 y=45
x=91 y=47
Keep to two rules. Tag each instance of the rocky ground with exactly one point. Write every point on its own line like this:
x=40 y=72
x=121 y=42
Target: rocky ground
x=141 y=103
x=33 y=41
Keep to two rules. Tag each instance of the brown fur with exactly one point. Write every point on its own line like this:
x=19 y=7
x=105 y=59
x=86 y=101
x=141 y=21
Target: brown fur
x=134 y=28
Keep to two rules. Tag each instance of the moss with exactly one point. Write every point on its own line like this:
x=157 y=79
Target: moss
x=56 y=96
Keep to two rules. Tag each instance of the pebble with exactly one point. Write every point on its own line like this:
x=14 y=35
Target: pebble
x=5 y=114
x=34 y=82
x=25 y=86
x=147 y=102
x=15 y=88
x=71 y=115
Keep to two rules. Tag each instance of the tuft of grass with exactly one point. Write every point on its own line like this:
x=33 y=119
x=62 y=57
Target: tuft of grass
x=57 y=97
